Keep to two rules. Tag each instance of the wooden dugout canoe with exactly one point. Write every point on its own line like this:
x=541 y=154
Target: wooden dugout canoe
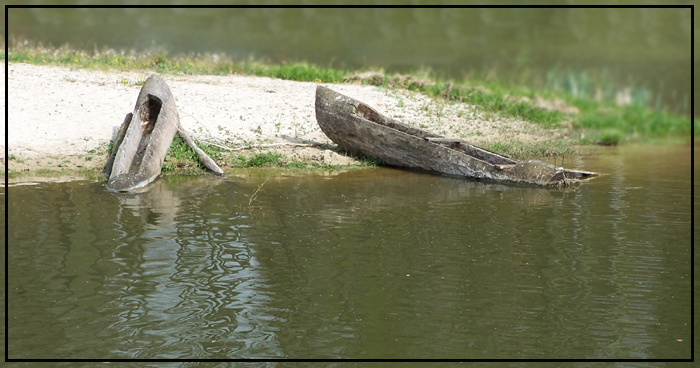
x=144 y=138
x=360 y=129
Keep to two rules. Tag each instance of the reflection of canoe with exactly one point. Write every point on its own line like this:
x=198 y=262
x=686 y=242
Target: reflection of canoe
x=358 y=128
x=144 y=138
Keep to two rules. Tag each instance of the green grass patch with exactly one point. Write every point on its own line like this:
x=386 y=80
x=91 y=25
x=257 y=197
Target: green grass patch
x=88 y=173
x=17 y=158
x=372 y=161
x=634 y=122
x=181 y=159
x=610 y=137
x=541 y=150
x=263 y=160
x=179 y=156
x=161 y=62
x=498 y=103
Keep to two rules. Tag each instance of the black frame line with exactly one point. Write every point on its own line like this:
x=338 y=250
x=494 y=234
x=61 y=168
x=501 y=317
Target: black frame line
x=77 y=360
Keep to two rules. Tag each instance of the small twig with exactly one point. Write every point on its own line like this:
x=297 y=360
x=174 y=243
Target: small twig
x=198 y=122
x=215 y=140
x=250 y=202
x=275 y=145
x=219 y=146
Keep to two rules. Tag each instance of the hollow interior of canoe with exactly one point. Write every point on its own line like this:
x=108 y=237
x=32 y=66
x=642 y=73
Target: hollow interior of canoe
x=365 y=112
x=148 y=116
x=372 y=115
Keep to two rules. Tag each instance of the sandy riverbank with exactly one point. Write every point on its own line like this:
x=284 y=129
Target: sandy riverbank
x=63 y=119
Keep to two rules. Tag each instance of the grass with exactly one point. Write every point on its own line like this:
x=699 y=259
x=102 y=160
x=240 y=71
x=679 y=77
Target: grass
x=266 y=159
x=16 y=158
x=610 y=137
x=518 y=150
x=491 y=102
x=161 y=62
x=182 y=160
x=95 y=174
x=180 y=156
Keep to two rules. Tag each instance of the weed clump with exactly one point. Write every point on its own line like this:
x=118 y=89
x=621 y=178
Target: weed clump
x=610 y=137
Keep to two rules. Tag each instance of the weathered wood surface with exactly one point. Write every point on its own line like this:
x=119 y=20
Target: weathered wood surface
x=203 y=157
x=443 y=140
x=145 y=137
x=358 y=128
x=117 y=143
x=139 y=156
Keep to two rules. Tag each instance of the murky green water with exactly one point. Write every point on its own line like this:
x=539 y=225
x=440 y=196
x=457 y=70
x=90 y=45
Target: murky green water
x=644 y=54
x=376 y=263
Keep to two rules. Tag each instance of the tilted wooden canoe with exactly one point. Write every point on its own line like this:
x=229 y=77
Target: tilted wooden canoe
x=144 y=138
x=360 y=129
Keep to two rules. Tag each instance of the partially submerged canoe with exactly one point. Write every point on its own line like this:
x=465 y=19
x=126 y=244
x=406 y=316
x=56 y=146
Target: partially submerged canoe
x=144 y=138
x=360 y=129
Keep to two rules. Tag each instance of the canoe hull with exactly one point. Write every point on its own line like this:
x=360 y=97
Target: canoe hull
x=147 y=136
x=360 y=129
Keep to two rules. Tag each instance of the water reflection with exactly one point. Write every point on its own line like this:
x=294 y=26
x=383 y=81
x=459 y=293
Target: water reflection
x=197 y=281
x=152 y=275
x=377 y=263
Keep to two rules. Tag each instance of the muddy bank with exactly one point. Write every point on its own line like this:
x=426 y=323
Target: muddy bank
x=63 y=119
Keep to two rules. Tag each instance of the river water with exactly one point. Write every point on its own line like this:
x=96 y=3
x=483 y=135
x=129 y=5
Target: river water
x=638 y=55
x=366 y=263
